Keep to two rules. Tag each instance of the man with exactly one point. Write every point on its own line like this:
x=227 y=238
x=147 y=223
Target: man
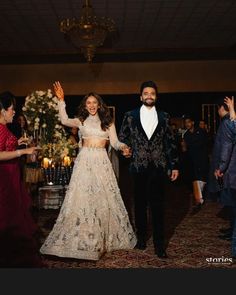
x=224 y=163
x=203 y=125
x=147 y=132
x=196 y=141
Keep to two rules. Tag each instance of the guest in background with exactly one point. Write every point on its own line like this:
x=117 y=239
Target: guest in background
x=20 y=129
x=74 y=139
x=19 y=126
x=74 y=136
x=224 y=161
x=202 y=124
x=196 y=141
x=17 y=245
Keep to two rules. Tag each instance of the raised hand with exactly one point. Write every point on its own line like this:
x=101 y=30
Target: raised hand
x=230 y=103
x=59 y=92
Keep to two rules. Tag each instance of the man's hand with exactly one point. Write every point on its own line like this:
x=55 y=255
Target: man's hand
x=229 y=101
x=174 y=175
x=126 y=151
x=218 y=174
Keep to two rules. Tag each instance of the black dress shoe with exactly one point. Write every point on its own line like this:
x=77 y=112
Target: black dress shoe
x=226 y=237
x=141 y=245
x=161 y=253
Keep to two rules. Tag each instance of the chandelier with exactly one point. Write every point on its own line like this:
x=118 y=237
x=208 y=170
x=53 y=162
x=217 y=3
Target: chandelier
x=88 y=31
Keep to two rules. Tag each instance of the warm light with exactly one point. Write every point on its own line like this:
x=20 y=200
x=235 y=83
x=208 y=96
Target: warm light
x=88 y=32
x=45 y=163
x=66 y=161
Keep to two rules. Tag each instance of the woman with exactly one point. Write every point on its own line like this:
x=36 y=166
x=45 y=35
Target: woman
x=74 y=140
x=17 y=246
x=74 y=137
x=93 y=219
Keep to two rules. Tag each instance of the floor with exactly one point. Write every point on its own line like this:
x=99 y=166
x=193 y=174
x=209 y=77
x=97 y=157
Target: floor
x=192 y=240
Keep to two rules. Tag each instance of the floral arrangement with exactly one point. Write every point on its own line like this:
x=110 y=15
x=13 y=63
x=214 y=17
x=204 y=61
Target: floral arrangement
x=57 y=150
x=41 y=112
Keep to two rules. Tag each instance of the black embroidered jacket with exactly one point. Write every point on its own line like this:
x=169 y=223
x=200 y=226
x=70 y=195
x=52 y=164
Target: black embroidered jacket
x=160 y=149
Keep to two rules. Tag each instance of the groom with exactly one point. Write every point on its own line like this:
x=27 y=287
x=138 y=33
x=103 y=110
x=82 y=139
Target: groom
x=153 y=153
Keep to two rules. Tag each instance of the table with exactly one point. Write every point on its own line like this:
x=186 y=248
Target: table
x=51 y=196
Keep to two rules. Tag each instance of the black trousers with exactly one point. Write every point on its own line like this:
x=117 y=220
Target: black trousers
x=149 y=192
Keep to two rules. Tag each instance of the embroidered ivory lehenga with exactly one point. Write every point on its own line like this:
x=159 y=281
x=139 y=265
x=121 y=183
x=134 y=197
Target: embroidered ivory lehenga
x=93 y=219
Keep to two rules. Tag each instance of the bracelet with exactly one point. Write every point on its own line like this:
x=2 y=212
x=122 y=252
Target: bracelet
x=18 y=153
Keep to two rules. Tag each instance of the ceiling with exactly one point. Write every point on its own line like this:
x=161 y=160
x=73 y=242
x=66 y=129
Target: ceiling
x=147 y=30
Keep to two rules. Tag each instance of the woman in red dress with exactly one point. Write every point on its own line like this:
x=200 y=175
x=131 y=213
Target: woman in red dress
x=17 y=245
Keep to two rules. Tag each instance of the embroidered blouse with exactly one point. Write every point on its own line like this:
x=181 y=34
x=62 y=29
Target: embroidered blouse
x=91 y=127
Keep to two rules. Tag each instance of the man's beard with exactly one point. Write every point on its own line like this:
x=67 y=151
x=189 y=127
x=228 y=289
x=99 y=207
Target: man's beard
x=151 y=103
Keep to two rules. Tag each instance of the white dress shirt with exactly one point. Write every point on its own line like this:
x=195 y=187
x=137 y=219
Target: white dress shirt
x=149 y=120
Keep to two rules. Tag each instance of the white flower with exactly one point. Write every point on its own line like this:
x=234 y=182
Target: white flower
x=40 y=93
x=42 y=115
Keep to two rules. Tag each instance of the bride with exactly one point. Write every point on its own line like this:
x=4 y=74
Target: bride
x=93 y=219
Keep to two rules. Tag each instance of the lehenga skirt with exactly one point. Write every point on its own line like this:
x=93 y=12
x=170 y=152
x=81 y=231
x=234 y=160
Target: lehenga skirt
x=93 y=219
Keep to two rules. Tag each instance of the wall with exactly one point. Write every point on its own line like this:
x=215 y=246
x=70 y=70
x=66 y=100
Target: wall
x=121 y=78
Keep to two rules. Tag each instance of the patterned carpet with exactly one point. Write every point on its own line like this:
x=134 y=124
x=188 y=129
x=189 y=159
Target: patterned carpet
x=192 y=240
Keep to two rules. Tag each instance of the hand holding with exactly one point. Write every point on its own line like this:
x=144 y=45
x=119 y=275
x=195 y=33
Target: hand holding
x=59 y=92
x=126 y=151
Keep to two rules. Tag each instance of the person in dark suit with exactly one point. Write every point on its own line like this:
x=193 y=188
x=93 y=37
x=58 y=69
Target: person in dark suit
x=224 y=163
x=196 y=141
x=153 y=154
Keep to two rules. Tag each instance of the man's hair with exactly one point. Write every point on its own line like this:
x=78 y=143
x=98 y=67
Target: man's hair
x=188 y=117
x=220 y=103
x=148 y=84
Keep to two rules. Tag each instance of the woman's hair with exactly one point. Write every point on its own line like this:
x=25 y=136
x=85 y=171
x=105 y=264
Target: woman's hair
x=24 y=118
x=103 y=111
x=6 y=100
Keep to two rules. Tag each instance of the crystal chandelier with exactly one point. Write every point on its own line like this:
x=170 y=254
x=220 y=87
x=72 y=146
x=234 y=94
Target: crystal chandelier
x=88 y=31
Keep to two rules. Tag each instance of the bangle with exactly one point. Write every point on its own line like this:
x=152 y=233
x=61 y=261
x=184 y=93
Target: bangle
x=18 y=153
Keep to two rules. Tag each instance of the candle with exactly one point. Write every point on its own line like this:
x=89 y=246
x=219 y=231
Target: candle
x=50 y=163
x=45 y=163
x=66 y=161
